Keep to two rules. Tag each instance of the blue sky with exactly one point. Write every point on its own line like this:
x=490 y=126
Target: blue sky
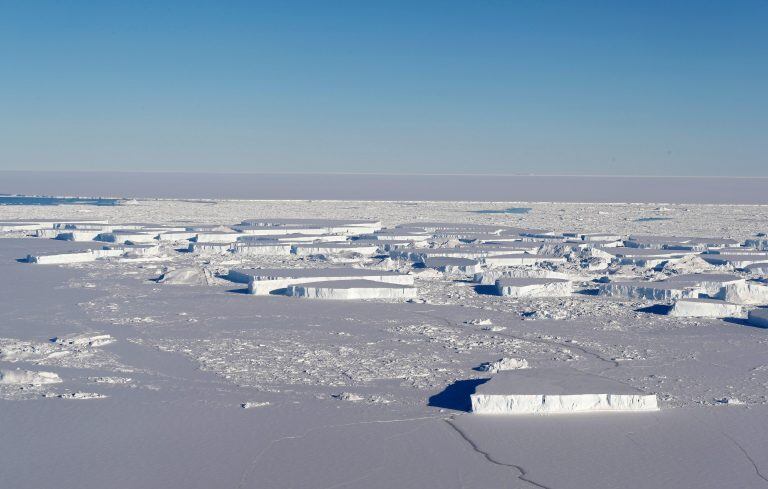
x=386 y=86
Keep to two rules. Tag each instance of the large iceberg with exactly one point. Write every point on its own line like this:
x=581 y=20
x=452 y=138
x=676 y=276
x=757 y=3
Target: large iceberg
x=452 y=264
x=266 y=281
x=534 y=287
x=705 y=308
x=489 y=277
x=351 y=290
x=521 y=259
x=557 y=391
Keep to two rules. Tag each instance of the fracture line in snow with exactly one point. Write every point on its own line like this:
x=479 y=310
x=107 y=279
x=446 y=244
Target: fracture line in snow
x=746 y=454
x=523 y=474
x=249 y=470
x=740 y=448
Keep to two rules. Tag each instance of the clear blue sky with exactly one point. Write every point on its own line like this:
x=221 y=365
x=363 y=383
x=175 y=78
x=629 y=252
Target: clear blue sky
x=613 y=87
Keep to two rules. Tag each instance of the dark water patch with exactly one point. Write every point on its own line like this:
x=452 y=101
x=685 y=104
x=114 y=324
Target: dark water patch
x=652 y=219
x=510 y=210
x=6 y=199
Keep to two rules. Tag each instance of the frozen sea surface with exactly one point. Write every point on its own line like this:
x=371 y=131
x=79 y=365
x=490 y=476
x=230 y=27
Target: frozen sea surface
x=488 y=188
x=44 y=200
x=360 y=394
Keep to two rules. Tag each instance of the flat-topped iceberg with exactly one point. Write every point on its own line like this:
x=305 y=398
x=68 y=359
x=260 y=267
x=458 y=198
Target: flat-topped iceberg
x=534 y=287
x=333 y=248
x=28 y=377
x=557 y=391
x=489 y=277
x=261 y=248
x=522 y=259
x=677 y=287
x=74 y=256
x=757 y=268
x=734 y=260
x=210 y=247
x=452 y=264
x=351 y=290
x=705 y=308
x=266 y=281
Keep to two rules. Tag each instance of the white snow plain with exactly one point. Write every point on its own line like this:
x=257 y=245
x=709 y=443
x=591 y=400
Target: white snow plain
x=172 y=375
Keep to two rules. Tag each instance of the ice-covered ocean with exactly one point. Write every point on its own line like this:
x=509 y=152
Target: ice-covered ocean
x=484 y=188
x=133 y=355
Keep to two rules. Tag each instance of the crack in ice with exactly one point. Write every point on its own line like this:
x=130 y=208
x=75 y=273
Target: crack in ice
x=523 y=474
x=248 y=472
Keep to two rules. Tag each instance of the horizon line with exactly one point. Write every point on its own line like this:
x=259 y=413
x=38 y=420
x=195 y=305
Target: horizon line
x=420 y=174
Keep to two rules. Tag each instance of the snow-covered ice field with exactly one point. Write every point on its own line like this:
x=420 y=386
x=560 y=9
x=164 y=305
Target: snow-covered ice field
x=148 y=367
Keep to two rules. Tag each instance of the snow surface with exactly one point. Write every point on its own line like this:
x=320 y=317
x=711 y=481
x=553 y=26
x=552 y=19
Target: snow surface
x=759 y=317
x=154 y=378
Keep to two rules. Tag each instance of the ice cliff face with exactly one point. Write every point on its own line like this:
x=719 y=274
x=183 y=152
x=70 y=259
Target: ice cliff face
x=561 y=404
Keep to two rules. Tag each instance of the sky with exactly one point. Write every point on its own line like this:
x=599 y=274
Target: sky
x=492 y=87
